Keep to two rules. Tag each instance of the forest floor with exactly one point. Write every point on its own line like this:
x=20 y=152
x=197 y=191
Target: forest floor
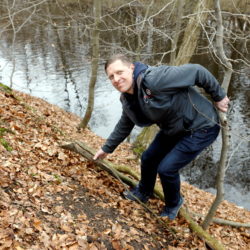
x=51 y=198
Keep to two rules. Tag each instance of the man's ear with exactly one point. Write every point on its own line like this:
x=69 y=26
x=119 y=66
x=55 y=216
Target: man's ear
x=132 y=66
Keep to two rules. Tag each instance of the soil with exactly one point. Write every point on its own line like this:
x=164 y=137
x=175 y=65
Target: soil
x=55 y=199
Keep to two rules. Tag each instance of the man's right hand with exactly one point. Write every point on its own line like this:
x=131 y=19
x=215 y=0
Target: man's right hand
x=223 y=104
x=100 y=154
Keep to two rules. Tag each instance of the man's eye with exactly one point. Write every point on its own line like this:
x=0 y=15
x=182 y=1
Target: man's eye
x=119 y=72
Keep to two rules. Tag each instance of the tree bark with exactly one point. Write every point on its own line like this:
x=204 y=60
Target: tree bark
x=144 y=139
x=177 y=31
x=88 y=153
x=192 y=33
x=94 y=66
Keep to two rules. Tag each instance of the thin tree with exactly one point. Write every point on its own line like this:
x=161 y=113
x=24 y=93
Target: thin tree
x=220 y=53
x=140 y=29
x=94 y=65
x=179 y=12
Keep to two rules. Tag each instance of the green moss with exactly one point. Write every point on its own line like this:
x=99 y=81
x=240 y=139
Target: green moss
x=4 y=130
x=5 y=144
x=138 y=150
x=57 y=179
x=5 y=88
x=2 y=140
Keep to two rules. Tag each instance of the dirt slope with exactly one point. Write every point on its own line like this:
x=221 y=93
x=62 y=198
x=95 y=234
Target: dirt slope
x=54 y=199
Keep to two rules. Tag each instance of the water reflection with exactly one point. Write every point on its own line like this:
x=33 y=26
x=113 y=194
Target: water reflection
x=57 y=69
x=61 y=77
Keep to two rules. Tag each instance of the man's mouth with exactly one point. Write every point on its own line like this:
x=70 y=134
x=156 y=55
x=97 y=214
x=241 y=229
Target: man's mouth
x=120 y=85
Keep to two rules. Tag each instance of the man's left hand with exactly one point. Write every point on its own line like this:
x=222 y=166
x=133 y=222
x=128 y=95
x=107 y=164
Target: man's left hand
x=223 y=104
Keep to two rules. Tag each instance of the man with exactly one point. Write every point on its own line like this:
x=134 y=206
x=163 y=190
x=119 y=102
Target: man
x=188 y=122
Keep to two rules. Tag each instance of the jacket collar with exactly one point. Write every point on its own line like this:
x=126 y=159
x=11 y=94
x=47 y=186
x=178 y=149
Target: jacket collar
x=139 y=68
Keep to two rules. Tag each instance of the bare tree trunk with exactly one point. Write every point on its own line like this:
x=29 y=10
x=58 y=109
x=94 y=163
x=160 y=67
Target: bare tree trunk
x=179 y=13
x=140 y=30
x=192 y=33
x=144 y=139
x=94 y=65
x=220 y=53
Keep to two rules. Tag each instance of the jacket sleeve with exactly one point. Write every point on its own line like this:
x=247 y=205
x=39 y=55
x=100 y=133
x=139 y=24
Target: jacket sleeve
x=173 y=78
x=122 y=129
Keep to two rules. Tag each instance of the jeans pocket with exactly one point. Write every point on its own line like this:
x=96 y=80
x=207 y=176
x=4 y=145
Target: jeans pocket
x=198 y=140
x=204 y=137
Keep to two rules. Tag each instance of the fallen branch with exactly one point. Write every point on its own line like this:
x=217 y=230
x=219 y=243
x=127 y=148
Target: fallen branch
x=88 y=153
x=125 y=169
x=225 y=222
x=85 y=151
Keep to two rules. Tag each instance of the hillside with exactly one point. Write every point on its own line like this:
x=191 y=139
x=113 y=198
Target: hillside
x=51 y=198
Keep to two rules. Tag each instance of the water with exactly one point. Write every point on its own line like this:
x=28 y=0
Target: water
x=58 y=71
x=41 y=71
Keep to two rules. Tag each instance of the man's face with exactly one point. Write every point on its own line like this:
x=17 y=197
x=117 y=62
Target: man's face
x=121 y=76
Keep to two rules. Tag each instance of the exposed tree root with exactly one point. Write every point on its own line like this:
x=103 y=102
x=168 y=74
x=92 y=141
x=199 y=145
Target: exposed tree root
x=88 y=153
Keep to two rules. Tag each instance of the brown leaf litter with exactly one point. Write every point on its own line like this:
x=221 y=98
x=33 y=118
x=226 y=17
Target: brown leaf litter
x=54 y=199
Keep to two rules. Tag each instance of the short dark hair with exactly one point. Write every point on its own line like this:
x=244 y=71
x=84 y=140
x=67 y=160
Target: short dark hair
x=117 y=57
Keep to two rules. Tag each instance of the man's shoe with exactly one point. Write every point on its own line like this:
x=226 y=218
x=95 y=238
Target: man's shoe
x=135 y=194
x=171 y=212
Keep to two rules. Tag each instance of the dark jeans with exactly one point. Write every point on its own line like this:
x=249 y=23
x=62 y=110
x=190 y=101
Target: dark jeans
x=166 y=155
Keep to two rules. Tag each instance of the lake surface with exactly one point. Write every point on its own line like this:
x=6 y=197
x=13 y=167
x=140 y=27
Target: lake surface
x=55 y=66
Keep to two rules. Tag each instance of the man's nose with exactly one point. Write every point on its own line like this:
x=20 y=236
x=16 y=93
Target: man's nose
x=116 y=78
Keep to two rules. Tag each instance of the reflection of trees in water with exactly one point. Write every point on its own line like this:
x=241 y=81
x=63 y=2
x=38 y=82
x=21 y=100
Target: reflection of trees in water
x=25 y=63
x=56 y=52
x=99 y=117
x=202 y=171
x=62 y=47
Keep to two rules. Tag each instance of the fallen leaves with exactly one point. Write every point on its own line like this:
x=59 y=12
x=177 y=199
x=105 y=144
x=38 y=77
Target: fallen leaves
x=54 y=199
